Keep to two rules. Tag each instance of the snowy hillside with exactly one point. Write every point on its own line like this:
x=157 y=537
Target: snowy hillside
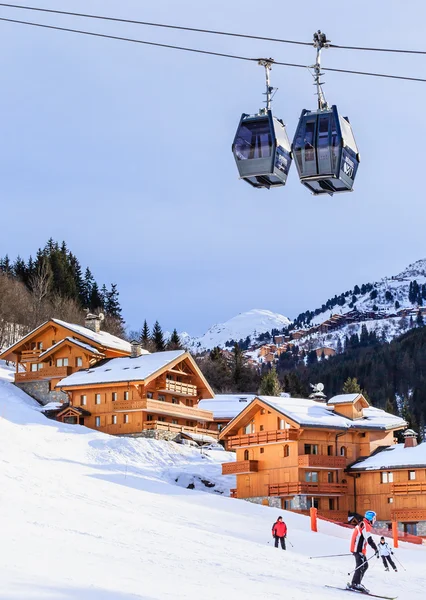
x=87 y=516
x=251 y=323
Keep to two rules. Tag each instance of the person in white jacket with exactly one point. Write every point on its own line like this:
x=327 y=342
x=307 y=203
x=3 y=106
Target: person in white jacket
x=385 y=552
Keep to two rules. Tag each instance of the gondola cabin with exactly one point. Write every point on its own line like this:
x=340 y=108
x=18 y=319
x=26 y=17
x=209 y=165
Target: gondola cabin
x=262 y=150
x=325 y=152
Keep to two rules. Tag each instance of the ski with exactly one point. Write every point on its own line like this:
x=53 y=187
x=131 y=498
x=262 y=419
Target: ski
x=363 y=593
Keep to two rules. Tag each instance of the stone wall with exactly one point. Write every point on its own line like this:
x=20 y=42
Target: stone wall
x=273 y=501
x=39 y=390
x=154 y=434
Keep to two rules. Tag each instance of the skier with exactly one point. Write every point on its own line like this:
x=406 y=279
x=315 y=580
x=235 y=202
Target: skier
x=385 y=552
x=279 y=532
x=360 y=538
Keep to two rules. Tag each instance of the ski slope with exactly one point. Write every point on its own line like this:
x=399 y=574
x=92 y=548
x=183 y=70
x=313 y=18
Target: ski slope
x=87 y=516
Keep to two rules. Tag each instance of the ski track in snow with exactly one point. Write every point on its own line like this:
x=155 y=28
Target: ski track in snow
x=90 y=516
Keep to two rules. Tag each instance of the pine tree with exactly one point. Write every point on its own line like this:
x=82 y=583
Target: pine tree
x=339 y=347
x=351 y=386
x=112 y=304
x=419 y=319
x=270 y=385
x=312 y=358
x=174 y=342
x=95 y=302
x=145 y=336
x=87 y=286
x=157 y=337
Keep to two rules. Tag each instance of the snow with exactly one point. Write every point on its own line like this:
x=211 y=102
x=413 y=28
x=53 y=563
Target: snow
x=123 y=369
x=226 y=406
x=90 y=349
x=88 y=516
x=251 y=323
x=343 y=399
x=394 y=457
x=102 y=337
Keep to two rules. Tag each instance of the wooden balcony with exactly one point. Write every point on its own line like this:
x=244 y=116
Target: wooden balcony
x=161 y=426
x=408 y=488
x=163 y=408
x=308 y=461
x=309 y=489
x=263 y=437
x=45 y=373
x=233 y=493
x=30 y=355
x=178 y=388
x=409 y=514
x=242 y=466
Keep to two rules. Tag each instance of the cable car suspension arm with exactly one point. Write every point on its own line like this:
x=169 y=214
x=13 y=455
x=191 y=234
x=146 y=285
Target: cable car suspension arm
x=267 y=63
x=320 y=42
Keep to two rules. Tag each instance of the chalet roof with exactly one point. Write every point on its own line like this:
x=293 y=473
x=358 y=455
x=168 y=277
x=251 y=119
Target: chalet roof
x=344 y=399
x=102 y=338
x=198 y=437
x=226 y=406
x=309 y=413
x=393 y=457
x=87 y=347
x=74 y=409
x=125 y=369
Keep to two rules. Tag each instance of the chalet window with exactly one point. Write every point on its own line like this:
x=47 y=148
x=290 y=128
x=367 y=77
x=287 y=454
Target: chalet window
x=386 y=477
x=97 y=421
x=411 y=475
x=175 y=401
x=330 y=450
x=262 y=450
x=330 y=477
x=246 y=455
x=315 y=502
x=126 y=395
x=125 y=418
x=390 y=500
x=149 y=417
x=286 y=451
x=311 y=448
x=150 y=395
x=174 y=422
x=190 y=423
x=311 y=476
x=114 y=420
x=83 y=400
x=78 y=361
x=34 y=367
x=189 y=402
x=114 y=396
x=53 y=342
x=287 y=504
x=162 y=419
x=162 y=398
x=284 y=425
x=261 y=428
x=249 y=428
x=262 y=411
x=331 y=504
x=343 y=451
x=62 y=362
x=97 y=398
x=40 y=345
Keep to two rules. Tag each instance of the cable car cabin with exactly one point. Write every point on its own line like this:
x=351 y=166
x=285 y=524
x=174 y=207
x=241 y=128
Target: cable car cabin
x=262 y=150
x=325 y=152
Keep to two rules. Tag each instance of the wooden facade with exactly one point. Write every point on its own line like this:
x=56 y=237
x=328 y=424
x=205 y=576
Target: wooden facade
x=302 y=464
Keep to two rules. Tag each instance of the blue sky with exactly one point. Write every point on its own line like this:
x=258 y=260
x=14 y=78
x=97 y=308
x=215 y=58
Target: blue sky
x=124 y=151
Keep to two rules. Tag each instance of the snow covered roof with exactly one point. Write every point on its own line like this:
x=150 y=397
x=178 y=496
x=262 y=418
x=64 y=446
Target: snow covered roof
x=226 y=406
x=118 y=370
x=102 y=337
x=309 y=413
x=87 y=347
x=199 y=437
x=393 y=457
x=343 y=399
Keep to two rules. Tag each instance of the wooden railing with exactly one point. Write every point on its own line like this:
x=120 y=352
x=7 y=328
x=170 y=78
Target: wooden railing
x=173 y=427
x=242 y=466
x=186 y=389
x=44 y=373
x=321 y=462
x=30 y=354
x=311 y=489
x=263 y=437
x=409 y=487
x=163 y=408
x=409 y=514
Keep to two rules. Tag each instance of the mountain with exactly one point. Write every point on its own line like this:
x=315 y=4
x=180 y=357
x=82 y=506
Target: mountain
x=248 y=324
x=89 y=516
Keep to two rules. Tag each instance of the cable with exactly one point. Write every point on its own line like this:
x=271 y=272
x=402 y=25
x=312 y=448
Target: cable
x=209 y=52
x=209 y=31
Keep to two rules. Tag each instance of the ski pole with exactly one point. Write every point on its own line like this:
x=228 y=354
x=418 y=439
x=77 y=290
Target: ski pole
x=399 y=562
x=331 y=555
x=361 y=565
x=289 y=542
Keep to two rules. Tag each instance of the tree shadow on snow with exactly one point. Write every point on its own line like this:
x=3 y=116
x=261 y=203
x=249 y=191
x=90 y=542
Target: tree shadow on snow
x=70 y=593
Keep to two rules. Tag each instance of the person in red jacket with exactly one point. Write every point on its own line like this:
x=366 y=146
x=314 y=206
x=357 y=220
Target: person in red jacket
x=279 y=532
x=361 y=536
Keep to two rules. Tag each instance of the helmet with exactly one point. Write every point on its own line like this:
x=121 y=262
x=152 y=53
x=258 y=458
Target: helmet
x=370 y=515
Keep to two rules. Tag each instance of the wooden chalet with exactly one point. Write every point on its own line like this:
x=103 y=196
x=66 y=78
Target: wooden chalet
x=156 y=393
x=293 y=453
x=225 y=407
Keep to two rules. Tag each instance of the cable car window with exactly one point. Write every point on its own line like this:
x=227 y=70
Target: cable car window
x=323 y=132
x=347 y=134
x=334 y=142
x=254 y=140
x=309 y=141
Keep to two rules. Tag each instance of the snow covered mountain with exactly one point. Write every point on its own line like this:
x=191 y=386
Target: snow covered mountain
x=251 y=323
x=88 y=516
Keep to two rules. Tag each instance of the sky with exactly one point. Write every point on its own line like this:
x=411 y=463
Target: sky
x=124 y=151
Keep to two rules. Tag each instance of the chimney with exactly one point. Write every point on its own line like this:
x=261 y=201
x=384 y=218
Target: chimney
x=136 y=349
x=93 y=322
x=410 y=438
x=318 y=392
